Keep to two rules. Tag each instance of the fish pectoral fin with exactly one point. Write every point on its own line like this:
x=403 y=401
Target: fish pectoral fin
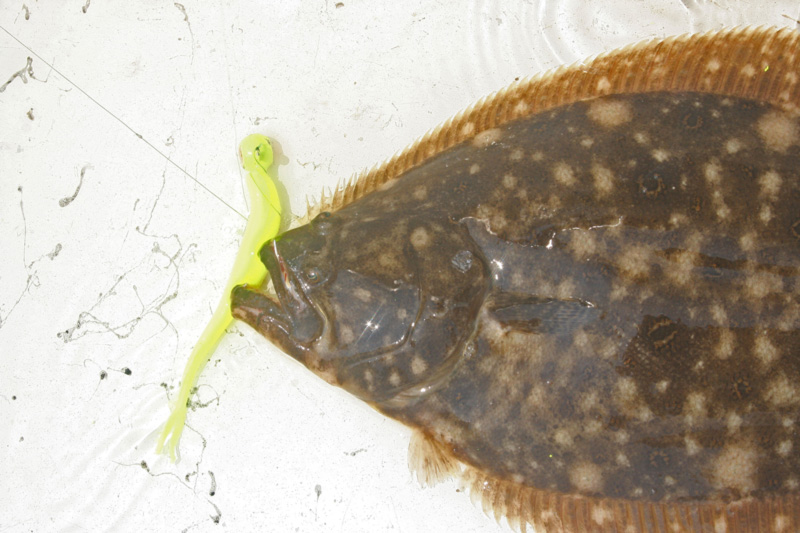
x=543 y=315
x=429 y=460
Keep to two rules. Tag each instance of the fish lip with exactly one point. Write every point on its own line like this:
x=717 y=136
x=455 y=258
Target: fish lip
x=302 y=318
x=279 y=273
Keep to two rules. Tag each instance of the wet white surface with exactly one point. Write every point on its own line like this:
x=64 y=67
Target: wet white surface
x=121 y=206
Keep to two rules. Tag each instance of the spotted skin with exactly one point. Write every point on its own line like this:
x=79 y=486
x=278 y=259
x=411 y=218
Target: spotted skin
x=621 y=325
x=601 y=300
x=665 y=325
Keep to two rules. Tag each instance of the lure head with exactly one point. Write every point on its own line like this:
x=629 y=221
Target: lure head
x=373 y=304
x=255 y=150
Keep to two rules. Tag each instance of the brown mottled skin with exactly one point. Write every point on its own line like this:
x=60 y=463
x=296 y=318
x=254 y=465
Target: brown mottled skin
x=601 y=299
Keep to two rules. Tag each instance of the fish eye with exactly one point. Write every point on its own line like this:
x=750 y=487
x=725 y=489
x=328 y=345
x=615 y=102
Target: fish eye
x=313 y=275
x=322 y=225
x=323 y=228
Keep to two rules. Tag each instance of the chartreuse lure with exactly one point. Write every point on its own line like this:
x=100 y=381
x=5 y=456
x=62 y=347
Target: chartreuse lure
x=255 y=153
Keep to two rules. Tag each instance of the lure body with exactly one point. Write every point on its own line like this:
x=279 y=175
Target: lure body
x=592 y=307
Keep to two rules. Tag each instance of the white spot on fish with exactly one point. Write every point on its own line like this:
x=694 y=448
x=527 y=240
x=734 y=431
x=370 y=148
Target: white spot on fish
x=748 y=241
x=765 y=214
x=521 y=108
x=369 y=379
x=784 y=448
x=678 y=219
x=770 y=183
x=618 y=291
x=589 y=401
x=586 y=477
x=346 y=335
x=694 y=407
x=467 y=129
x=627 y=393
x=778 y=131
x=564 y=174
x=420 y=238
x=760 y=284
x=635 y=261
x=386 y=260
x=726 y=344
x=603 y=179
x=474 y=169
x=691 y=445
x=600 y=515
x=566 y=289
x=610 y=113
x=723 y=211
x=583 y=243
x=719 y=314
x=713 y=173
x=781 y=523
x=681 y=274
x=388 y=185
x=362 y=294
x=487 y=138
x=733 y=145
x=563 y=437
x=781 y=392
x=603 y=85
x=644 y=414
x=733 y=422
x=418 y=365
x=736 y=467
x=660 y=155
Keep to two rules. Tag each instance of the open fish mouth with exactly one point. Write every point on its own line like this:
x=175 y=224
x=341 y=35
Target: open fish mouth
x=279 y=273
x=289 y=318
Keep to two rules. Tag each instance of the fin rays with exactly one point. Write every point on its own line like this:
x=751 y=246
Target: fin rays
x=529 y=509
x=743 y=62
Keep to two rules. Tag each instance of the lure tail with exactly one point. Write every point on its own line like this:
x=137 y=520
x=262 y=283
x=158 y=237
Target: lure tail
x=255 y=153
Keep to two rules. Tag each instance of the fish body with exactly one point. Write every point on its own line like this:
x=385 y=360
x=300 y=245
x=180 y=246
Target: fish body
x=587 y=306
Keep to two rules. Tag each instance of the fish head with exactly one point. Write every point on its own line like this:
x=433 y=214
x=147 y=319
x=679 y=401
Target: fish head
x=371 y=304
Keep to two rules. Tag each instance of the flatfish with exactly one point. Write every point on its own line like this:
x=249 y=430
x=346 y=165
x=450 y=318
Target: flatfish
x=582 y=293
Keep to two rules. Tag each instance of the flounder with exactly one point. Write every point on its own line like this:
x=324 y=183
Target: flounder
x=582 y=293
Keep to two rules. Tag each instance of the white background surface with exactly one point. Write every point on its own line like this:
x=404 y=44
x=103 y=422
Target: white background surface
x=142 y=105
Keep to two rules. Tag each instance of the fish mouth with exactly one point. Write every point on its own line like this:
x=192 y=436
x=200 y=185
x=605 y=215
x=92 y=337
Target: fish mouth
x=289 y=318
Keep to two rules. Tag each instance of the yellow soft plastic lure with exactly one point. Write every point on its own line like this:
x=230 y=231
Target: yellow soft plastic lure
x=255 y=154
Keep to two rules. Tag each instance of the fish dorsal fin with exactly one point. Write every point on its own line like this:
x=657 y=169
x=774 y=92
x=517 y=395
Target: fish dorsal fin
x=544 y=510
x=761 y=63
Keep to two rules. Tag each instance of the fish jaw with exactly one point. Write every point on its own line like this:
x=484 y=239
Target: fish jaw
x=291 y=322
